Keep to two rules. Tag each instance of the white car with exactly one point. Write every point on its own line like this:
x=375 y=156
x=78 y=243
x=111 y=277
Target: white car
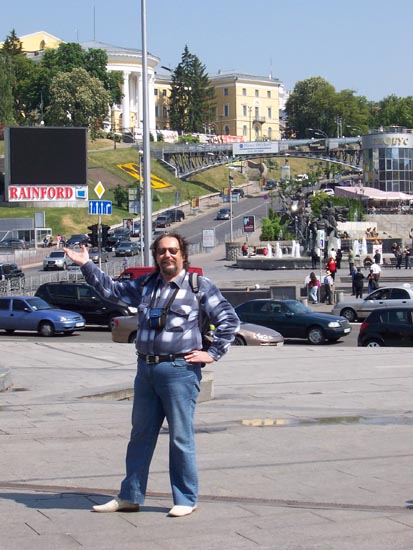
x=56 y=260
x=360 y=308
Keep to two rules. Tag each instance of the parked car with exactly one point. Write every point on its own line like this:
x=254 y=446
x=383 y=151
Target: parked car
x=77 y=240
x=224 y=214
x=56 y=260
x=34 y=314
x=94 y=255
x=391 y=326
x=124 y=331
x=175 y=214
x=116 y=236
x=136 y=229
x=11 y=271
x=83 y=298
x=162 y=221
x=14 y=244
x=357 y=309
x=238 y=191
x=127 y=248
x=294 y=320
x=270 y=185
x=134 y=272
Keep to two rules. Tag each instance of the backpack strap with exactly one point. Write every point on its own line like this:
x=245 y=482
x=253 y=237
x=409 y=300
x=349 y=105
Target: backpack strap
x=193 y=281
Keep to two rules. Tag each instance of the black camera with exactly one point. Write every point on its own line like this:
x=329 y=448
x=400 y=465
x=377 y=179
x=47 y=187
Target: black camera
x=157 y=318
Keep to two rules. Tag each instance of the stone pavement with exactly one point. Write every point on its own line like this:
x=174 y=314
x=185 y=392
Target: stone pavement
x=302 y=448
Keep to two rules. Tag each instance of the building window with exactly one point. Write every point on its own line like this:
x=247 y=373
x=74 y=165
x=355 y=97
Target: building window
x=257 y=93
x=164 y=112
x=226 y=110
x=156 y=91
x=244 y=110
x=244 y=91
x=225 y=91
x=156 y=111
x=269 y=94
x=226 y=130
x=270 y=133
x=163 y=93
x=257 y=113
x=269 y=112
x=244 y=131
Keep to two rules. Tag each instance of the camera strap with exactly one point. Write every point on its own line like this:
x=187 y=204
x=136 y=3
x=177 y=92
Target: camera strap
x=170 y=301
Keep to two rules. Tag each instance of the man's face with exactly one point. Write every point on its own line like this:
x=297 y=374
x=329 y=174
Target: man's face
x=169 y=257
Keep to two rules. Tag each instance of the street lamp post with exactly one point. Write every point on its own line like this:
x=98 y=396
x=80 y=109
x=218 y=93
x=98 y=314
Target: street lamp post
x=141 y=242
x=231 y=227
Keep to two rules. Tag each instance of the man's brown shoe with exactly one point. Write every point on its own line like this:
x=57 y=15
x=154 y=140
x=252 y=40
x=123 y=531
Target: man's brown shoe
x=116 y=505
x=180 y=511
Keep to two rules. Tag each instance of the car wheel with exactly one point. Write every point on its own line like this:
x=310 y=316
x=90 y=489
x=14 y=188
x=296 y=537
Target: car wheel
x=239 y=341
x=132 y=337
x=373 y=343
x=349 y=314
x=46 y=329
x=316 y=335
x=64 y=267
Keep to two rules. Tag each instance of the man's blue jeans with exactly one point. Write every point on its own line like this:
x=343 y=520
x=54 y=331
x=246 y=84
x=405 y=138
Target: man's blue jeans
x=162 y=390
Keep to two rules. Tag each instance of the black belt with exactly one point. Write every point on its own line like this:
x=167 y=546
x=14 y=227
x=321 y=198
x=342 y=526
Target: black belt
x=154 y=359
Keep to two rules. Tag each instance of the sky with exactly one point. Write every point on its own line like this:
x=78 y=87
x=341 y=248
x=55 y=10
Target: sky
x=361 y=45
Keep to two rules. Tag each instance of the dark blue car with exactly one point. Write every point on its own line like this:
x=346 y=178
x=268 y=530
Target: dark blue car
x=294 y=320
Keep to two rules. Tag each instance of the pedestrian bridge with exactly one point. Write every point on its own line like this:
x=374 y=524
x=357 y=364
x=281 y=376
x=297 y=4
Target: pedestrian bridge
x=187 y=159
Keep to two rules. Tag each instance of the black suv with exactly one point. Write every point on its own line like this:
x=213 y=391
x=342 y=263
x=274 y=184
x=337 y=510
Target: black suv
x=83 y=298
x=175 y=214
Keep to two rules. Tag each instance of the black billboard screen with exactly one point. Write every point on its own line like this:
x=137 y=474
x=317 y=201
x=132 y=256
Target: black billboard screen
x=46 y=156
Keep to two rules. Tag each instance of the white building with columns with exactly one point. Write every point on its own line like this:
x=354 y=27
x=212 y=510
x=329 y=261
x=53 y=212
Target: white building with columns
x=128 y=116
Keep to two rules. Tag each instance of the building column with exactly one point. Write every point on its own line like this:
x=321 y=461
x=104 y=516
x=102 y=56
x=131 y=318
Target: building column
x=125 y=102
x=151 y=105
x=139 y=105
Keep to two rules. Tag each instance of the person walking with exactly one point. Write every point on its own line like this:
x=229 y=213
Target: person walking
x=406 y=254
x=351 y=258
x=170 y=357
x=339 y=256
x=328 y=283
x=313 y=286
x=358 y=283
x=332 y=267
x=372 y=281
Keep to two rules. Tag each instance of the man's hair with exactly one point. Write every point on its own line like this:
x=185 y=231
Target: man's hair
x=183 y=245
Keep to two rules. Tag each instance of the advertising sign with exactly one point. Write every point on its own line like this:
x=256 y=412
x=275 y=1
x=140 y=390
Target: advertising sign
x=255 y=148
x=208 y=238
x=249 y=224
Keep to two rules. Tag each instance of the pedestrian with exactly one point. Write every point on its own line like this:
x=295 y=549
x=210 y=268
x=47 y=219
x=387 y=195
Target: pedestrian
x=406 y=254
x=332 y=267
x=399 y=257
x=358 y=283
x=125 y=262
x=372 y=282
x=313 y=286
x=377 y=257
x=351 y=258
x=339 y=256
x=315 y=258
x=244 y=249
x=353 y=274
x=328 y=283
x=170 y=357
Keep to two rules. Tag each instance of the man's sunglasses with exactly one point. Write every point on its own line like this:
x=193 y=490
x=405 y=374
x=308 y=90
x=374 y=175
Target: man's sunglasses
x=172 y=251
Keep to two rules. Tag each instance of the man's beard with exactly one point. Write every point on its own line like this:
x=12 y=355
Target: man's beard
x=169 y=268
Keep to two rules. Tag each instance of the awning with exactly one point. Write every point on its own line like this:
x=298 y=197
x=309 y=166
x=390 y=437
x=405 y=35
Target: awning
x=370 y=193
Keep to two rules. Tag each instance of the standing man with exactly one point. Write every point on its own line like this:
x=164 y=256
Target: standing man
x=170 y=357
x=351 y=258
x=328 y=284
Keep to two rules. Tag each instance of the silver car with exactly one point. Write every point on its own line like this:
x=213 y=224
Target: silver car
x=124 y=331
x=359 y=308
x=56 y=260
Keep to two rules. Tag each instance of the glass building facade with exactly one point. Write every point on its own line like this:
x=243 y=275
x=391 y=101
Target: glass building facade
x=388 y=160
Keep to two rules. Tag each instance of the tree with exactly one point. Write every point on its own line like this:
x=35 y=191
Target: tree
x=77 y=99
x=12 y=45
x=6 y=90
x=191 y=100
x=315 y=104
x=393 y=111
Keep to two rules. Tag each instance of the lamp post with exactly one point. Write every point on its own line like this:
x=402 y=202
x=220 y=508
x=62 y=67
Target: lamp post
x=141 y=242
x=230 y=180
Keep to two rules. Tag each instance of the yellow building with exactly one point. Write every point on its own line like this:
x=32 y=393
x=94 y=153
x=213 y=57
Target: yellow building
x=247 y=106
x=35 y=43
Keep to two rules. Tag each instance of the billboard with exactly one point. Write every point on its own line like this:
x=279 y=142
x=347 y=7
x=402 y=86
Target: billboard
x=255 y=148
x=45 y=164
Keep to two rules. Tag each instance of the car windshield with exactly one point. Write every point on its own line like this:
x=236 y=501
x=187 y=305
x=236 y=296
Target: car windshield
x=37 y=304
x=57 y=254
x=296 y=307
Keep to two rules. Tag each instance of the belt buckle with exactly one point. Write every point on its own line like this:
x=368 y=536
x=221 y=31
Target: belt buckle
x=152 y=359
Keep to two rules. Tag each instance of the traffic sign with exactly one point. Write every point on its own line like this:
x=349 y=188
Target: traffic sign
x=100 y=207
x=249 y=224
x=99 y=189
